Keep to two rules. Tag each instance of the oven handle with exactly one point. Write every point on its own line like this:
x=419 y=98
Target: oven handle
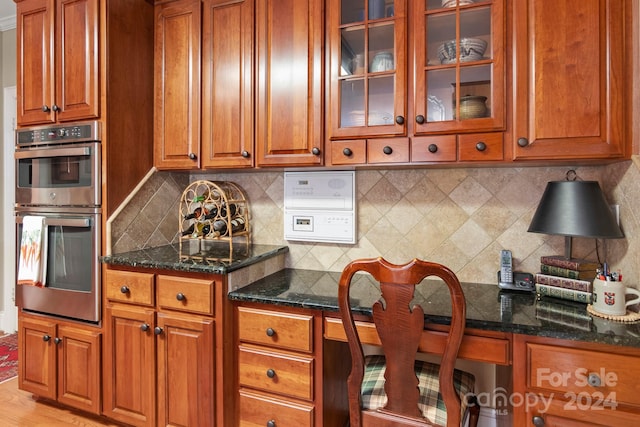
x=58 y=152
x=63 y=222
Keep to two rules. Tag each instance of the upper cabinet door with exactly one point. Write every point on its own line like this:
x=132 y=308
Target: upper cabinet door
x=459 y=66
x=177 y=85
x=227 y=84
x=289 y=108
x=368 y=67
x=569 y=79
x=58 y=61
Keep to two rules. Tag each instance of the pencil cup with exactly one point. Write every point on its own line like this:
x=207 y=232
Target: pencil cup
x=610 y=297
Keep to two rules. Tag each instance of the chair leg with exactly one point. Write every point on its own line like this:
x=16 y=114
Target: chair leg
x=474 y=411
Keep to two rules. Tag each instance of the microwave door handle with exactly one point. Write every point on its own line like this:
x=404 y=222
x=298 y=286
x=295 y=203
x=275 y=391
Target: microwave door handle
x=59 y=152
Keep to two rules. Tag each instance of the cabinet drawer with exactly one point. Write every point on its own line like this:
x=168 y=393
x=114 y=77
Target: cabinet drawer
x=349 y=152
x=441 y=148
x=186 y=294
x=480 y=147
x=388 y=150
x=257 y=410
x=128 y=286
x=285 y=374
x=280 y=330
x=566 y=372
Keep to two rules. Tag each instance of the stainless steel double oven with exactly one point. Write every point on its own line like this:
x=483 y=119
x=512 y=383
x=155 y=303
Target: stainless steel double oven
x=58 y=176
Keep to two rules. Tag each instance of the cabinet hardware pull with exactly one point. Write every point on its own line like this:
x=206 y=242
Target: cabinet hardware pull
x=245 y=154
x=193 y=156
x=594 y=380
x=270 y=332
x=347 y=152
x=54 y=107
x=481 y=146
x=315 y=151
x=144 y=327
x=271 y=373
x=432 y=148
x=46 y=338
x=387 y=150
x=157 y=330
x=523 y=142
x=180 y=296
x=420 y=119
x=538 y=421
x=400 y=120
x=57 y=340
x=124 y=289
x=45 y=108
x=271 y=423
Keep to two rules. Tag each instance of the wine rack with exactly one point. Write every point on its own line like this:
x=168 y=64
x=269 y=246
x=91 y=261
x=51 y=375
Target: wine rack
x=213 y=214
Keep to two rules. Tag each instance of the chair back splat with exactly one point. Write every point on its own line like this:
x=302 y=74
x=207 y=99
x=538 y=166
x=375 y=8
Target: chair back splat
x=400 y=328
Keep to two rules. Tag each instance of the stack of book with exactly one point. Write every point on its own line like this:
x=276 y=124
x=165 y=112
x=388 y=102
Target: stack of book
x=569 y=279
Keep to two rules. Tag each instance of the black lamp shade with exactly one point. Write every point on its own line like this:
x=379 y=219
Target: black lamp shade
x=575 y=208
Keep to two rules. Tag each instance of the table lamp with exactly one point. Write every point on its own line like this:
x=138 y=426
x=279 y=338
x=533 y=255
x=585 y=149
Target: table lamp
x=575 y=209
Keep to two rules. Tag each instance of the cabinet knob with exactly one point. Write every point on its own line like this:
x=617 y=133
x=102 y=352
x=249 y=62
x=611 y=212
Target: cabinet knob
x=46 y=338
x=124 y=289
x=245 y=154
x=45 y=108
x=271 y=373
x=420 y=119
x=432 y=148
x=144 y=327
x=157 y=330
x=270 y=332
x=400 y=120
x=523 y=142
x=594 y=380
x=387 y=150
x=180 y=296
x=315 y=151
x=481 y=146
x=537 y=421
x=57 y=340
x=193 y=156
x=347 y=152
x=271 y=423
x=54 y=107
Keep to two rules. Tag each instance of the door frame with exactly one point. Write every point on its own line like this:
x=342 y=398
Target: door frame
x=8 y=311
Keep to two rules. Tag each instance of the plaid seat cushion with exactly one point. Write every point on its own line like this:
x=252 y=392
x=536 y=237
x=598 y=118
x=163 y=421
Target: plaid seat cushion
x=431 y=404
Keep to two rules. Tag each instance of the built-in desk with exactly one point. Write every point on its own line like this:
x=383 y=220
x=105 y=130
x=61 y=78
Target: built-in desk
x=567 y=366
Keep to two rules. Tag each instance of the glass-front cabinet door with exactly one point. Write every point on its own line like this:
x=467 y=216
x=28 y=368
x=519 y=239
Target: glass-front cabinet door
x=459 y=65
x=368 y=67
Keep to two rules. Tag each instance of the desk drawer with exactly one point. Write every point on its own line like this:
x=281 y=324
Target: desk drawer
x=274 y=372
x=280 y=330
x=566 y=373
x=258 y=410
x=129 y=287
x=186 y=294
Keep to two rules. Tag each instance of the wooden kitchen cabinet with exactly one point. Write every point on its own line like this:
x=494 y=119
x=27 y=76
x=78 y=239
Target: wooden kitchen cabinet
x=289 y=83
x=177 y=85
x=570 y=80
x=60 y=361
x=161 y=364
x=565 y=383
x=57 y=66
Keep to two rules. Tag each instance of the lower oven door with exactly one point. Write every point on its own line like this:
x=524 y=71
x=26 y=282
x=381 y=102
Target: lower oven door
x=72 y=287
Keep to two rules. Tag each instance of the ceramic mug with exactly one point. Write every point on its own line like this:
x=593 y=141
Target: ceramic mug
x=610 y=297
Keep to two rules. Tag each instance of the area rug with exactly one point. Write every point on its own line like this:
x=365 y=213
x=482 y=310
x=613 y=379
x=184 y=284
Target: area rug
x=8 y=357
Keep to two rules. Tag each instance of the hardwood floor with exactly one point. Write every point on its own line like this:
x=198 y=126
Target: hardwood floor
x=19 y=408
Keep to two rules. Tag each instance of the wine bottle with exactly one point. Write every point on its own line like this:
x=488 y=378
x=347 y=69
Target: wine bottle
x=232 y=208
x=237 y=224
x=212 y=212
x=206 y=230
x=219 y=227
x=189 y=230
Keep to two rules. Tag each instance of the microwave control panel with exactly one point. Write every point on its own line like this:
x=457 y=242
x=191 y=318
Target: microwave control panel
x=320 y=206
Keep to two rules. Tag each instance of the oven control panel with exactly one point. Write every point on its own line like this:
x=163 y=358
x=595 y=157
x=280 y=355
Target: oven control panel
x=59 y=134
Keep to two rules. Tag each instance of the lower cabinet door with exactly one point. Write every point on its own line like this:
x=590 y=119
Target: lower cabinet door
x=186 y=363
x=545 y=410
x=37 y=357
x=258 y=410
x=129 y=365
x=79 y=368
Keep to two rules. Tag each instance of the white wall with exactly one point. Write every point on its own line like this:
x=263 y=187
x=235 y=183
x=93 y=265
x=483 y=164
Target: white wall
x=8 y=312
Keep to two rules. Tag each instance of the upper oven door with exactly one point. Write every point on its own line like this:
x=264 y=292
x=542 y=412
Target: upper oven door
x=59 y=175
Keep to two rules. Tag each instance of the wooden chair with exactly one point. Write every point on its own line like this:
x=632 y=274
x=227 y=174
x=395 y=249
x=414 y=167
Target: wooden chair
x=383 y=390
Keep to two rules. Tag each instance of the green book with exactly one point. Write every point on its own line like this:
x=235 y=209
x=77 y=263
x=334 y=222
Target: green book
x=554 y=270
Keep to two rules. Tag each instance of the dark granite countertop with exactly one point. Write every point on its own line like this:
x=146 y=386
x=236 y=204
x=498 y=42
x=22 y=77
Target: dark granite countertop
x=488 y=307
x=216 y=258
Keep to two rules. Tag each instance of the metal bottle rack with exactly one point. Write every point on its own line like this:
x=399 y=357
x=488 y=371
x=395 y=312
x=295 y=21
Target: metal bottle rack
x=212 y=197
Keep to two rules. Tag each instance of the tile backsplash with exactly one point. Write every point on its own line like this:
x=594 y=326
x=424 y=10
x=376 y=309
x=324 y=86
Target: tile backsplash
x=459 y=217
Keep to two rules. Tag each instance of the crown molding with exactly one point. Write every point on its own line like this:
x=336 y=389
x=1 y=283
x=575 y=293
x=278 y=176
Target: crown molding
x=8 y=23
